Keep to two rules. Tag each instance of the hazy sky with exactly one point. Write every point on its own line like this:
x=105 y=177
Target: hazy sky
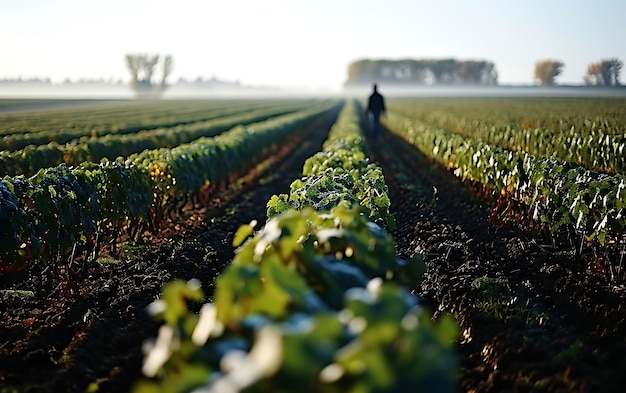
x=303 y=43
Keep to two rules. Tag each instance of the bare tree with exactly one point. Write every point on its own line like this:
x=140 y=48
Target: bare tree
x=149 y=64
x=142 y=68
x=132 y=63
x=168 y=66
x=604 y=73
x=547 y=70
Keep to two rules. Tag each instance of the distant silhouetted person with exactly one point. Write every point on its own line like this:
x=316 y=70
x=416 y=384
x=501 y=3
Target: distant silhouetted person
x=375 y=108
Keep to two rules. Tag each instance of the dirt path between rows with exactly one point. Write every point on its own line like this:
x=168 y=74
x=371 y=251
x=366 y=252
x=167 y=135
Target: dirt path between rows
x=531 y=320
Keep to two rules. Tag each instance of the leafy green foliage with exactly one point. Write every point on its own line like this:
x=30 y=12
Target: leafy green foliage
x=340 y=174
x=11 y=223
x=558 y=193
x=61 y=207
x=36 y=153
x=303 y=305
x=589 y=133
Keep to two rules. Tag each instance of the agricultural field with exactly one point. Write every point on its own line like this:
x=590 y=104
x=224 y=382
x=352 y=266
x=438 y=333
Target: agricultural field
x=477 y=244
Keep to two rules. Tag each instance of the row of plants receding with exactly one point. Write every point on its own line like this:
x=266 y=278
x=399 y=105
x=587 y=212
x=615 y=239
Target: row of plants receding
x=121 y=117
x=107 y=116
x=600 y=150
x=64 y=214
x=315 y=301
x=21 y=130
x=557 y=194
x=33 y=158
x=587 y=117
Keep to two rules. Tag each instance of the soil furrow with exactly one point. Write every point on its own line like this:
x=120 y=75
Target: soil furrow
x=517 y=336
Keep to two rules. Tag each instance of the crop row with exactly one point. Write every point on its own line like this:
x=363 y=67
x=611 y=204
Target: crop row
x=114 y=116
x=43 y=218
x=598 y=116
x=341 y=173
x=32 y=158
x=60 y=129
x=586 y=144
x=308 y=303
x=557 y=193
x=102 y=118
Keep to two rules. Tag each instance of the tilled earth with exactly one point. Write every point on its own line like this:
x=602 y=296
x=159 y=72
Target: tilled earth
x=532 y=319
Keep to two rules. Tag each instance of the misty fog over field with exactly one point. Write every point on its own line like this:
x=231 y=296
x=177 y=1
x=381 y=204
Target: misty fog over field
x=89 y=91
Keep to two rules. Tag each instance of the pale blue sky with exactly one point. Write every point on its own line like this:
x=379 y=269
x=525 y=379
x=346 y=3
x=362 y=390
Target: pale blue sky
x=303 y=43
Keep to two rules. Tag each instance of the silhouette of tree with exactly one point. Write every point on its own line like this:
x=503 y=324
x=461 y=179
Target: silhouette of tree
x=546 y=71
x=604 y=73
x=142 y=68
x=168 y=67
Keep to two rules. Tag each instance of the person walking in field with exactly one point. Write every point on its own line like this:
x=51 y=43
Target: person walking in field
x=375 y=108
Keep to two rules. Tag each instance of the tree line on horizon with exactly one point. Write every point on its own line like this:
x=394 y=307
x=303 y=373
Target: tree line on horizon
x=422 y=71
x=450 y=71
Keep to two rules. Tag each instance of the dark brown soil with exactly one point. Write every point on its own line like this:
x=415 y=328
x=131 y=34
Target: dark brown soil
x=532 y=319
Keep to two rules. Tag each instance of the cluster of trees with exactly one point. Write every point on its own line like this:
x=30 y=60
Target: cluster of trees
x=422 y=71
x=143 y=73
x=605 y=72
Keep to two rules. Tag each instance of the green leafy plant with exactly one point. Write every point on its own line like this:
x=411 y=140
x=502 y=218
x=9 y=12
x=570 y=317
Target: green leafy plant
x=315 y=301
x=557 y=193
x=297 y=305
x=61 y=209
